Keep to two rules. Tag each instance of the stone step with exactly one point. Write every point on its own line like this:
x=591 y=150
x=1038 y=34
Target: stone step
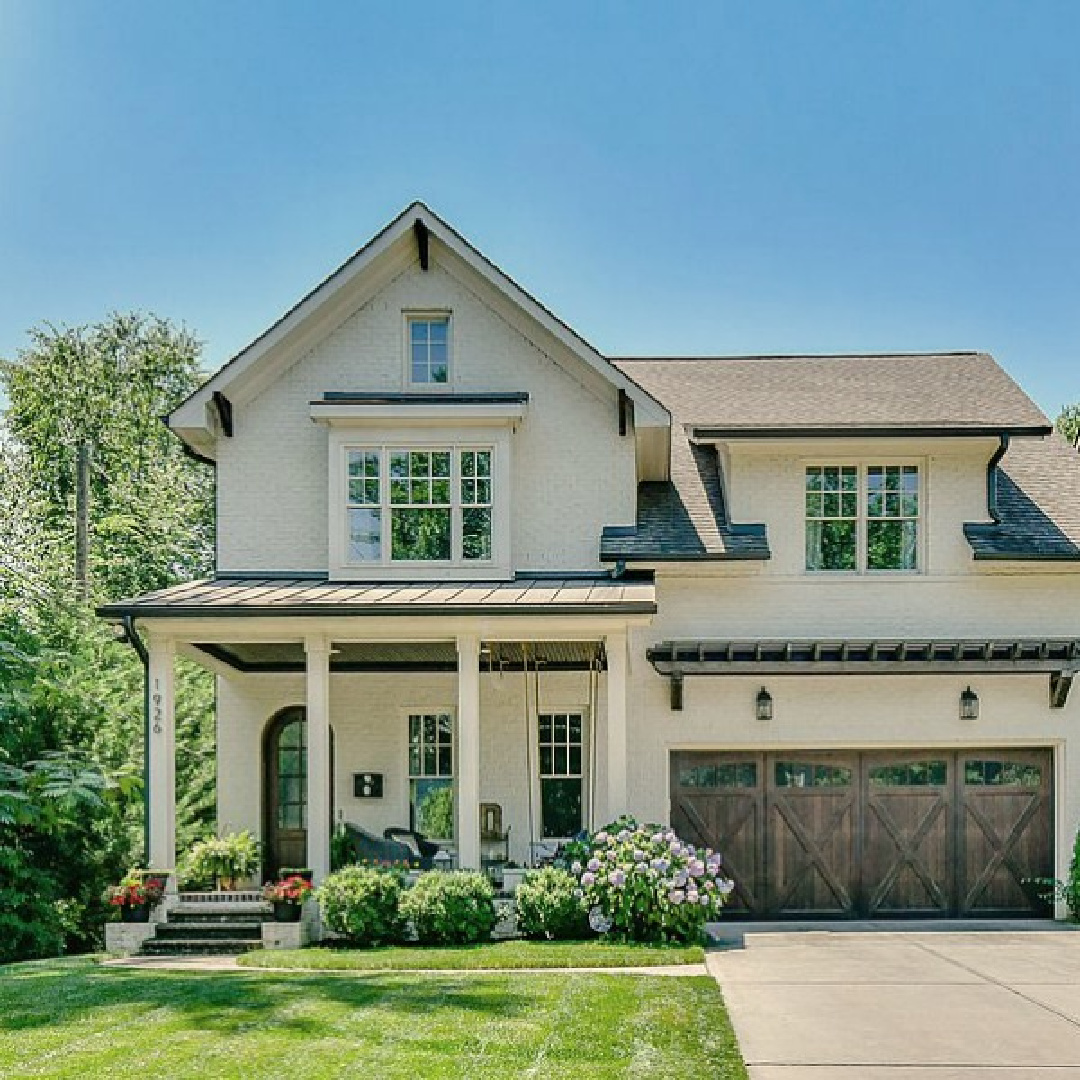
x=192 y=947
x=209 y=932
x=179 y=917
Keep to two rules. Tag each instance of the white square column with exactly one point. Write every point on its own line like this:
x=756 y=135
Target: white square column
x=161 y=755
x=317 y=652
x=468 y=752
x=617 y=682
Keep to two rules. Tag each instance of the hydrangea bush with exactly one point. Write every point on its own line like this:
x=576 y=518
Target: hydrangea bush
x=642 y=883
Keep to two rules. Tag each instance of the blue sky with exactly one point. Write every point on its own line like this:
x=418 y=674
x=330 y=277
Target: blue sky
x=732 y=177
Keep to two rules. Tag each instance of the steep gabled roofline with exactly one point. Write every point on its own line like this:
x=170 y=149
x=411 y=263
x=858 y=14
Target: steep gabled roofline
x=190 y=414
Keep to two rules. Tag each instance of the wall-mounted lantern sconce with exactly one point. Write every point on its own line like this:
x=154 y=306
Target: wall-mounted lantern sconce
x=764 y=705
x=969 y=705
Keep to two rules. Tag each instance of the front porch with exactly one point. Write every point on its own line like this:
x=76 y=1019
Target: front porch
x=504 y=721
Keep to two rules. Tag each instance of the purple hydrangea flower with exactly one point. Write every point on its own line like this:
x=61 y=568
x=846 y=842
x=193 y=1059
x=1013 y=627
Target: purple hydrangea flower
x=587 y=878
x=575 y=867
x=594 y=864
x=617 y=878
x=675 y=897
x=601 y=837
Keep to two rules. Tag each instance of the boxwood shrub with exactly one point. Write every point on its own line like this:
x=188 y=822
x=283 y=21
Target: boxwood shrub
x=363 y=905
x=450 y=908
x=549 y=905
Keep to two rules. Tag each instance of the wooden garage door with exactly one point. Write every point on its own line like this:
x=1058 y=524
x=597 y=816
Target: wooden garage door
x=878 y=834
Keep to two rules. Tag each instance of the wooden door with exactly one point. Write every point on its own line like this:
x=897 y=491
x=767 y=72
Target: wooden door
x=813 y=805
x=285 y=791
x=1007 y=802
x=717 y=802
x=907 y=862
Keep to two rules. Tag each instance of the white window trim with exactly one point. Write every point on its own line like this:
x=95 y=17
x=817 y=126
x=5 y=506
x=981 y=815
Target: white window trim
x=448 y=843
x=342 y=439
x=863 y=464
x=410 y=316
x=548 y=708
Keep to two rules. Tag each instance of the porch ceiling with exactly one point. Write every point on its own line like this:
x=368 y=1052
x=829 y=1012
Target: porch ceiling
x=406 y=656
x=261 y=597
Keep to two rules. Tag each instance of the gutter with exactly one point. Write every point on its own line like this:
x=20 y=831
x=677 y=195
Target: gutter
x=991 y=478
x=131 y=636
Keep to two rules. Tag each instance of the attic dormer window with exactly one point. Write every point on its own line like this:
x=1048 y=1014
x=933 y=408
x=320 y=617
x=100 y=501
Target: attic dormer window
x=429 y=349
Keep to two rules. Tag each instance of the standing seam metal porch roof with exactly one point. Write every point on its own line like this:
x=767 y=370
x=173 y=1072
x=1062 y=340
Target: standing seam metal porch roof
x=254 y=597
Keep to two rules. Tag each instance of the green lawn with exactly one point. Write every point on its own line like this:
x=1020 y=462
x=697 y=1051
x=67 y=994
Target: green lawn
x=76 y=1019
x=501 y=954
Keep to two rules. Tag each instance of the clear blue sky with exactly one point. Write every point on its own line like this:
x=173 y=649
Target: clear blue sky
x=670 y=178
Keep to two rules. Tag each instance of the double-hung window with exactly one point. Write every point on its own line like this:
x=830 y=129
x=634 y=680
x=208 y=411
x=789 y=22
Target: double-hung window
x=429 y=350
x=561 y=753
x=862 y=518
x=419 y=504
x=431 y=774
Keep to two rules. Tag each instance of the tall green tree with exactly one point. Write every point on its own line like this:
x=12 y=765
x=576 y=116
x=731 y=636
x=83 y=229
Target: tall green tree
x=1068 y=422
x=150 y=522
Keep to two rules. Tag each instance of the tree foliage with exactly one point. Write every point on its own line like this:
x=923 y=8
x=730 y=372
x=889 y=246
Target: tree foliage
x=71 y=696
x=1068 y=423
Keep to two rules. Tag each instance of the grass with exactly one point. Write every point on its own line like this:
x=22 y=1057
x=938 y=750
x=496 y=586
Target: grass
x=503 y=955
x=74 y=1018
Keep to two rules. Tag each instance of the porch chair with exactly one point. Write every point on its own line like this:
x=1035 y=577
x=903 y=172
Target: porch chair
x=421 y=850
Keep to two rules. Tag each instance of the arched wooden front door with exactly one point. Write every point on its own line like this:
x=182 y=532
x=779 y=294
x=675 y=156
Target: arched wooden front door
x=285 y=790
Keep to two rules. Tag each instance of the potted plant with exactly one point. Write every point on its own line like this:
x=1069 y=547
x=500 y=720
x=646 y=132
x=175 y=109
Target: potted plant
x=135 y=896
x=224 y=861
x=288 y=896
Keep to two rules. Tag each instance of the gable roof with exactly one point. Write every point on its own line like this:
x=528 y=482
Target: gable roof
x=961 y=393
x=291 y=333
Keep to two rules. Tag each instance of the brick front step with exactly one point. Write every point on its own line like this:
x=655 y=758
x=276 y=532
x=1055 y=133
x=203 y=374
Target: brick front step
x=209 y=932
x=180 y=917
x=196 y=947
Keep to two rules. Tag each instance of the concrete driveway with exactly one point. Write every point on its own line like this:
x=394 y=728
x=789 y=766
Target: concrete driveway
x=903 y=1003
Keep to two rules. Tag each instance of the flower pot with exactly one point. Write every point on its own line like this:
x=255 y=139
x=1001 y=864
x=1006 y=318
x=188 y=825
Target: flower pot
x=285 y=911
x=130 y=914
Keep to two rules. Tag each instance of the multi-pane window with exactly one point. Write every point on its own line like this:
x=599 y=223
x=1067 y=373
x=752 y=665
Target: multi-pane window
x=561 y=776
x=431 y=774
x=429 y=350
x=292 y=775
x=419 y=505
x=862 y=518
x=832 y=517
x=475 y=504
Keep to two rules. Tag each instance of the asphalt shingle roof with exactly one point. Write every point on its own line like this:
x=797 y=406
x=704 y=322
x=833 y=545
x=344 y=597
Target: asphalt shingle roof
x=1039 y=479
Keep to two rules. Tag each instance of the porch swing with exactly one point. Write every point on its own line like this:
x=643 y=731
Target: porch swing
x=543 y=851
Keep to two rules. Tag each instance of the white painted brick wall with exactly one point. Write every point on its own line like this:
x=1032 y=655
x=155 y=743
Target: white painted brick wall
x=572 y=473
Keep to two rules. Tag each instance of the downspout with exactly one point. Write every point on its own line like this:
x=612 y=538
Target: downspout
x=991 y=478
x=131 y=636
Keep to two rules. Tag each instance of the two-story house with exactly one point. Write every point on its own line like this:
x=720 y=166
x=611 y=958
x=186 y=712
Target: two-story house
x=476 y=578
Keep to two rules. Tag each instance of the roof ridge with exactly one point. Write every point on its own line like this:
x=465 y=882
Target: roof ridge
x=792 y=356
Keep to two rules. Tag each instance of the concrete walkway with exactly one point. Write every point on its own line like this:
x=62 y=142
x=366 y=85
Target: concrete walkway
x=903 y=1003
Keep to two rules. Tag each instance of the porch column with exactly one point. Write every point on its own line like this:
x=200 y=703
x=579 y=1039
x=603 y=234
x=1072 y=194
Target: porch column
x=615 y=646
x=161 y=755
x=317 y=651
x=468 y=752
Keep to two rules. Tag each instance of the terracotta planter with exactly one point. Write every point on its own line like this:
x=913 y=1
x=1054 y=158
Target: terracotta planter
x=285 y=911
x=130 y=914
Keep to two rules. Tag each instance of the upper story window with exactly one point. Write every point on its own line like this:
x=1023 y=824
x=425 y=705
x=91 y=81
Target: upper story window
x=429 y=350
x=430 y=505
x=862 y=518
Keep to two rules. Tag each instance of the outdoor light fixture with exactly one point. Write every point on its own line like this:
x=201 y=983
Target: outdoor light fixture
x=969 y=705
x=764 y=705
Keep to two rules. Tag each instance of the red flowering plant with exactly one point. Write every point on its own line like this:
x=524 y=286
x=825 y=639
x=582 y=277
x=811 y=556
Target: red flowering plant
x=135 y=890
x=290 y=890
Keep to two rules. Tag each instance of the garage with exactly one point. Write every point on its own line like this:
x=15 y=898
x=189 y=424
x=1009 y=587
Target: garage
x=873 y=834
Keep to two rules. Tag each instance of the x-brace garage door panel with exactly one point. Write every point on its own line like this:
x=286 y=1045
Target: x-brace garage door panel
x=877 y=834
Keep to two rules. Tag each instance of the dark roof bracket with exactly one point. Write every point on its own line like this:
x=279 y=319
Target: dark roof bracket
x=422 y=238
x=223 y=408
x=1060 y=685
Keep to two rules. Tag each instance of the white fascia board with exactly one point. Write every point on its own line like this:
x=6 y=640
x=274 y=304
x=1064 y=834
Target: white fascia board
x=447 y=415
x=288 y=333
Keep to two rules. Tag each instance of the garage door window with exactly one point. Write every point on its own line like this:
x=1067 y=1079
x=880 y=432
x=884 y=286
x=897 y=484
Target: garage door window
x=734 y=775
x=811 y=775
x=912 y=774
x=1002 y=774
